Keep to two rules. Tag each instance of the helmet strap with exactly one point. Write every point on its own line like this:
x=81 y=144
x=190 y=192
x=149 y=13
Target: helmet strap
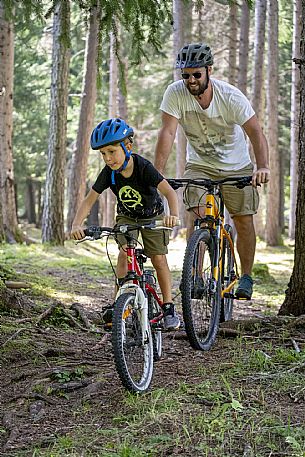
x=127 y=157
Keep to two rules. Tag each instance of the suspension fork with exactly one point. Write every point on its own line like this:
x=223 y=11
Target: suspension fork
x=230 y=286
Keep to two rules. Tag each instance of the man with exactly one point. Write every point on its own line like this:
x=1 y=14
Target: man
x=215 y=117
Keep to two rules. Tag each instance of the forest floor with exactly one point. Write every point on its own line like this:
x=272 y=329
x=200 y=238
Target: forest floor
x=61 y=396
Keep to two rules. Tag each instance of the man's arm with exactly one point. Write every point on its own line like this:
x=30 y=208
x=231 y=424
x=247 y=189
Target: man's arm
x=260 y=149
x=168 y=192
x=165 y=140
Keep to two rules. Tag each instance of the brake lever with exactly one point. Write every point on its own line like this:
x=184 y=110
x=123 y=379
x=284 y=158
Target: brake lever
x=87 y=238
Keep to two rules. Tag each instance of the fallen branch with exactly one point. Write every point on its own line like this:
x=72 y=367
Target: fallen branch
x=17 y=285
x=80 y=310
x=70 y=386
x=295 y=345
x=274 y=375
x=14 y=335
x=46 y=313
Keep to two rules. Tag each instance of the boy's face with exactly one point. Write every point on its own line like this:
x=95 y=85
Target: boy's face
x=114 y=155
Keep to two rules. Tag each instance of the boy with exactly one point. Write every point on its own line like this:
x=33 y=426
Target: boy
x=136 y=183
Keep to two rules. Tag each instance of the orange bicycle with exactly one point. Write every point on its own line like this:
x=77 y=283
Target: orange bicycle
x=210 y=270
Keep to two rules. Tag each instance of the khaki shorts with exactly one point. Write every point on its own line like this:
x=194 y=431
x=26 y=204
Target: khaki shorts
x=155 y=241
x=239 y=202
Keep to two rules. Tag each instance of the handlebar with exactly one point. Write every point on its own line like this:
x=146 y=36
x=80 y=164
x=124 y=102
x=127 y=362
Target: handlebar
x=96 y=232
x=239 y=182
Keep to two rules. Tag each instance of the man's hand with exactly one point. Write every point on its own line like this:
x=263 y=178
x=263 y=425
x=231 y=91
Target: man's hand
x=170 y=221
x=77 y=233
x=260 y=176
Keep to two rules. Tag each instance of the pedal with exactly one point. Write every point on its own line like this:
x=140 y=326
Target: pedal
x=228 y=295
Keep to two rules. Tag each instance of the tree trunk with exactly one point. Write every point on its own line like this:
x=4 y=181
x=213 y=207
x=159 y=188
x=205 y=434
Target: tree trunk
x=8 y=203
x=295 y=116
x=30 y=201
x=243 y=48
x=232 y=43
x=53 y=217
x=259 y=51
x=77 y=184
x=179 y=13
x=112 y=112
x=273 y=233
x=294 y=302
x=257 y=91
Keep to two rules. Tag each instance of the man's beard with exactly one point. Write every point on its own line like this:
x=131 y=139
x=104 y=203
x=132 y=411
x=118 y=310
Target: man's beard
x=199 y=89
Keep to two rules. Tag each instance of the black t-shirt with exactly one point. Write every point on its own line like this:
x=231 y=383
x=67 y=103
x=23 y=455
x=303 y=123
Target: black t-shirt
x=137 y=196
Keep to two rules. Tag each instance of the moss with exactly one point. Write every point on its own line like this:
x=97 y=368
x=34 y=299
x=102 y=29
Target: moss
x=261 y=272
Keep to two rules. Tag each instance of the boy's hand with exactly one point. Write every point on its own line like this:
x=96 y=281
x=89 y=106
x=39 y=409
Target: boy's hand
x=77 y=233
x=170 y=221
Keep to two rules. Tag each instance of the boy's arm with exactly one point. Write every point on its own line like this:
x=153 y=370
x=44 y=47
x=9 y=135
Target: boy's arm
x=77 y=232
x=165 y=189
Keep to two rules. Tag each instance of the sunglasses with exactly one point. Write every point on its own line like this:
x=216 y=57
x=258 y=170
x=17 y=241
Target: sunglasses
x=197 y=75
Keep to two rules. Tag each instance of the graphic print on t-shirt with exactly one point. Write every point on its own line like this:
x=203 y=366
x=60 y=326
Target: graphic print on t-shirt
x=130 y=197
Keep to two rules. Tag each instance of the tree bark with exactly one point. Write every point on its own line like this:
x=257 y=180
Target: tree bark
x=30 y=201
x=259 y=51
x=294 y=302
x=243 y=48
x=233 y=43
x=77 y=181
x=7 y=182
x=295 y=116
x=179 y=13
x=112 y=112
x=53 y=211
x=257 y=90
x=273 y=232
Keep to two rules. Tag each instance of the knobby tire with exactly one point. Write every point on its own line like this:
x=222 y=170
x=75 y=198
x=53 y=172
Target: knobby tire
x=201 y=307
x=133 y=360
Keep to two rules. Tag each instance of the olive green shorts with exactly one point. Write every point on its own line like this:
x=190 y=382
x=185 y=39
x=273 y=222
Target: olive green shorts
x=239 y=202
x=154 y=241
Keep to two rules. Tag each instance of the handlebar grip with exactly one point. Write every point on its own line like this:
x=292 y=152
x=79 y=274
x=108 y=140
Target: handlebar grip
x=174 y=183
x=161 y=224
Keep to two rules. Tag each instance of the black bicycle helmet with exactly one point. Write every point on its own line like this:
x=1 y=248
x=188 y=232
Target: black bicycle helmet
x=194 y=56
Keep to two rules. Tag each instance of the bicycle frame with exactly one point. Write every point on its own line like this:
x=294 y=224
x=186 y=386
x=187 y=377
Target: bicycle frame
x=138 y=284
x=214 y=218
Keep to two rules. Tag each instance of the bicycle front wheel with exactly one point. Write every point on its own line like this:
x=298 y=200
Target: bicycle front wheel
x=227 y=276
x=200 y=303
x=133 y=351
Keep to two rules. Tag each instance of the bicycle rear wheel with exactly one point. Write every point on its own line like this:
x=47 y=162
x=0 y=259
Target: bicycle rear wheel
x=227 y=276
x=133 y=358
x=200 y=304
x=154 y=311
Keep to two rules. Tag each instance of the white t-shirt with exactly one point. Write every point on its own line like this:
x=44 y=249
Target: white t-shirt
x=215 y=136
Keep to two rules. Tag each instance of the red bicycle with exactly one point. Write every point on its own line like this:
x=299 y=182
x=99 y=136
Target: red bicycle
x=137 y=320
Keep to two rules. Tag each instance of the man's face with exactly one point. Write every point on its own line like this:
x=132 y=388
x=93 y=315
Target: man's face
x=195 y=79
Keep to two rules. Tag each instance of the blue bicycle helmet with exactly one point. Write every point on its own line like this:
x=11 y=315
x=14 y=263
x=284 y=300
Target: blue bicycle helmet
x=109 y=132
x=112 y=131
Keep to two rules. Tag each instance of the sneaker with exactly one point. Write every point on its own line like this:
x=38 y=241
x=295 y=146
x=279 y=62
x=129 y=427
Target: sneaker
x=245 y=287
x=171 y=319
x=107 y=313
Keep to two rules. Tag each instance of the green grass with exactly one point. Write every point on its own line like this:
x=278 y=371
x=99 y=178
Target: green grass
x=246 y=399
